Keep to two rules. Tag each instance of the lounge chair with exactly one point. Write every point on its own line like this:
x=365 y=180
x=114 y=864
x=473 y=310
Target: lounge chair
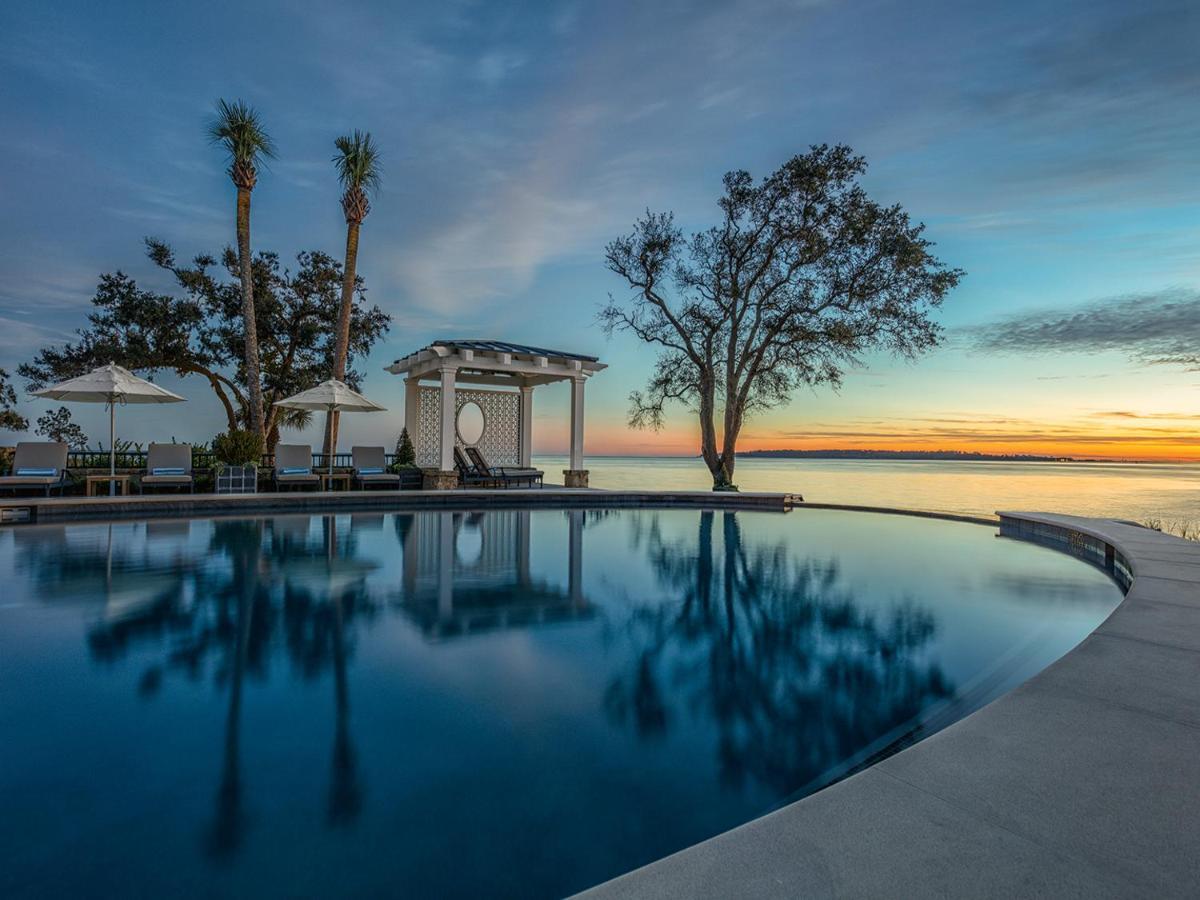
x=293 y=467
x=469 y=475
x=168 y=466
x=37 y=466
x=505 y=476
x=370 y=469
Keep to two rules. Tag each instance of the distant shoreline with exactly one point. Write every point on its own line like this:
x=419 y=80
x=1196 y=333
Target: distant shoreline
x=903 y=456
x=950 y=455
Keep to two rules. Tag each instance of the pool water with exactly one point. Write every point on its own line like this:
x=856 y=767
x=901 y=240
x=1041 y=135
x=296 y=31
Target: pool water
x=504 y=703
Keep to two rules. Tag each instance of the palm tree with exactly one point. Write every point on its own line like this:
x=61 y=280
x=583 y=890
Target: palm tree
x=357 y=164
x=239 y=130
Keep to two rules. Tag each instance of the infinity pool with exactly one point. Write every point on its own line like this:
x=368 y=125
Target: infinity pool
x=506 y=703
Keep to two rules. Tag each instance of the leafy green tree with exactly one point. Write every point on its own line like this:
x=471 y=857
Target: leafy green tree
x=295 y=315
x=802 y=275
x=238 y=129
x=56 y=425
x=238 y=447
x=10 y=419
x=200 y=332
x=358 y=169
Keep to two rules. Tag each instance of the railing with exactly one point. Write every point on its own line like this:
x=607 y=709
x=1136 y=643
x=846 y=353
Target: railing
x=201 y=460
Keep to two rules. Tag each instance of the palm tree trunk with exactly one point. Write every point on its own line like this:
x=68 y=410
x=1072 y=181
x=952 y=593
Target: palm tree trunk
x=253 y=378
x=341 y=348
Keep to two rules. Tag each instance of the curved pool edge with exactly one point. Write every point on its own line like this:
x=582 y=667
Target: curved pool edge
x=1081 y=780
x=62 y=510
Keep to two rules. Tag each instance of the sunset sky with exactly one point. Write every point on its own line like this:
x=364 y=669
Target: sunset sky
x=1050 y=147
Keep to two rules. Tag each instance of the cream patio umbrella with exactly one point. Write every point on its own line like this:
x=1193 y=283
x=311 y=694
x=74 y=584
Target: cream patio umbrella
x=331 y=396
x=110 y=385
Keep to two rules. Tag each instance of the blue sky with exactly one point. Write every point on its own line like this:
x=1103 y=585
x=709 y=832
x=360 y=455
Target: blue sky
x=1051 y=148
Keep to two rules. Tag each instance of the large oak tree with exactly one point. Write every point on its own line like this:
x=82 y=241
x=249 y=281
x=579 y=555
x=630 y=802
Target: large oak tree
x=802 y=276
x=200 y=331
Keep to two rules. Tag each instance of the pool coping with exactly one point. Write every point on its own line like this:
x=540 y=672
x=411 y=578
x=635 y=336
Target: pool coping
x=61 y=510
x=1080 y=781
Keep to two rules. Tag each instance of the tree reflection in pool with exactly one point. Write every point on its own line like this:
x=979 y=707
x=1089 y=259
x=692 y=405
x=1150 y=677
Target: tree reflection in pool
x=504 y=703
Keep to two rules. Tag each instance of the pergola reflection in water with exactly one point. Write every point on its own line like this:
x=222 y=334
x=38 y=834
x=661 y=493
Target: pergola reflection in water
x=470 y=572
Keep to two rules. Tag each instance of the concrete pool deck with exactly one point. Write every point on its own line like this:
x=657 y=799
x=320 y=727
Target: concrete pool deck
x=1085 y=780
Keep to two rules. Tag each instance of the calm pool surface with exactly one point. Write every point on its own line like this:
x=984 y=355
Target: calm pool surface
x=508 y=703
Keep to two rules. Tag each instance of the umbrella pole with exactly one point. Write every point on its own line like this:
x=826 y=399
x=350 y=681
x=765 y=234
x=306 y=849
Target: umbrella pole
x=112 y=446
x=332 y=450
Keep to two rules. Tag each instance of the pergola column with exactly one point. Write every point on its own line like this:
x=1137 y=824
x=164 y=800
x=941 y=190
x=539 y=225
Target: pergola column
x=526 y=426
x=577 y=475
x=445 y=477
x=412 y=406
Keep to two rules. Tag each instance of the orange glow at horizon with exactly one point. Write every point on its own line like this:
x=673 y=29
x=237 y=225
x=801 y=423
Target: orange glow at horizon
x=1176 y=442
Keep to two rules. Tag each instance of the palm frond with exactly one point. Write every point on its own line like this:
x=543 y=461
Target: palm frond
x=238 y=128
x=357 y=161
x=296 y=419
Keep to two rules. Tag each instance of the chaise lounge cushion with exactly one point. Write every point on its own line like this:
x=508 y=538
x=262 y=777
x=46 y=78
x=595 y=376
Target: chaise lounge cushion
x=166 y=479
x=293 y=464
x=168 y=464
x=370 y=466
x=37 y=456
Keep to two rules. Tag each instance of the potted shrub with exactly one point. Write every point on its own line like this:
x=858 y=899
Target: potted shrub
x=404 y=463
x=237 y=453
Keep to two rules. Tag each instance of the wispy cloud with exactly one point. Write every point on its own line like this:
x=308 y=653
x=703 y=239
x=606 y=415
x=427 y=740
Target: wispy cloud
x=1160 y=328
x=20 y=336
x=1153 y=416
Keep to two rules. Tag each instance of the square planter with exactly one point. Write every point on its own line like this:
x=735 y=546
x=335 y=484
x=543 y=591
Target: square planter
x=237 y=480
x=411 y=479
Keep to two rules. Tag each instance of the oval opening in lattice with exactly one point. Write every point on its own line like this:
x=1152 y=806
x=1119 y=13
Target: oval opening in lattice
x=470 y=423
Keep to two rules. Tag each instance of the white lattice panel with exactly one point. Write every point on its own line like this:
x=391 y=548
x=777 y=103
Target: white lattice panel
x=501 y=439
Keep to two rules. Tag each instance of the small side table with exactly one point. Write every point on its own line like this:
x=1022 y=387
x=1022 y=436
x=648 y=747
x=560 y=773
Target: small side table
x=329 y=480
x=91 y=489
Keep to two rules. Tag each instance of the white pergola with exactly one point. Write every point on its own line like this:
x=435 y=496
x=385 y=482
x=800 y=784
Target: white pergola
x=431 y=413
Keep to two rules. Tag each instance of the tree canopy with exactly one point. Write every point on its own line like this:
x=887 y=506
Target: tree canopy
x=801 y=277
x=56 y=425
x=359 y=172
x=10 y=419
x=199 y=331
x=238 y=129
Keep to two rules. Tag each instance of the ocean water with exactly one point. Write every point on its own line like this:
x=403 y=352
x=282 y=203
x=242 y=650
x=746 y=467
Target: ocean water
x=507 y=703
x=1137 y=491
